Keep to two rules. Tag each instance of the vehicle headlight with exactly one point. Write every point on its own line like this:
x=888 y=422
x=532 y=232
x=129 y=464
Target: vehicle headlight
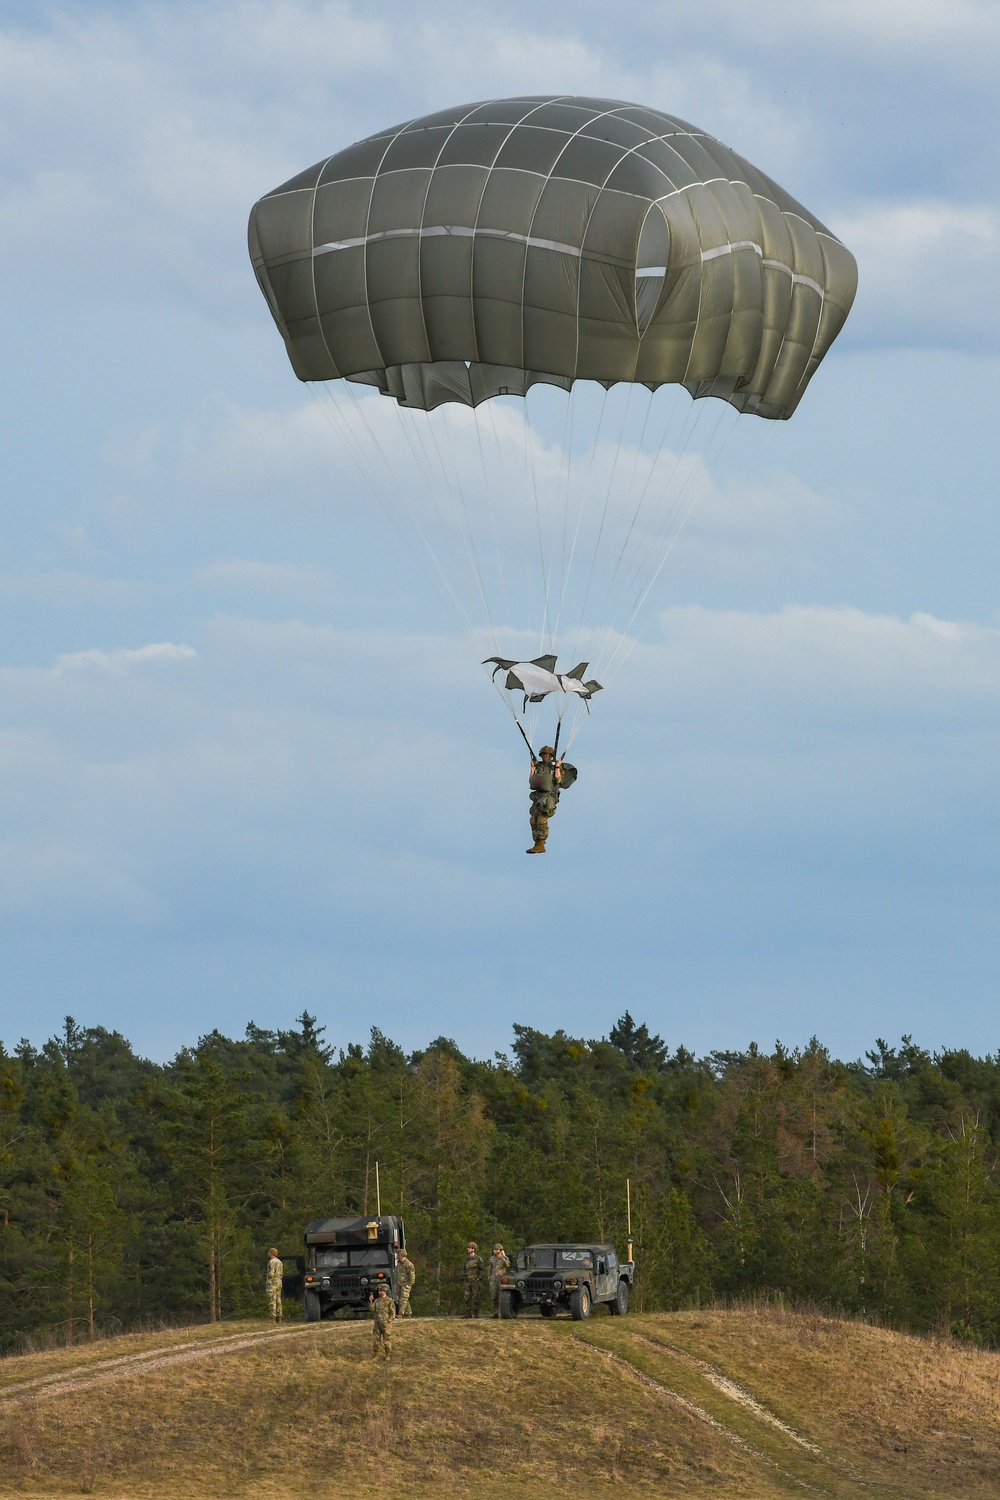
x=557 y=1286
x=520 y=1286
x=364 y=1281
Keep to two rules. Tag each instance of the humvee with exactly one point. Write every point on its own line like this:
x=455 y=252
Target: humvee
x=573 y=1277
x=347 y=1260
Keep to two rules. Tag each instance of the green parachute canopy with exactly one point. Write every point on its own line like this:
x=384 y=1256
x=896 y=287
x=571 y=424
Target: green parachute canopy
x=605 y=249
x=476 y=251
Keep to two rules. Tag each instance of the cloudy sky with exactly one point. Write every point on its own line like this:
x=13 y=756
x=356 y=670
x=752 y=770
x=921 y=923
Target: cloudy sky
x=227 y=791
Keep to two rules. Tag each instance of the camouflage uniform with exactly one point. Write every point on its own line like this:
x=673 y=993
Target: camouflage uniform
x=547 y=779
x=272 y=1283
x=384 y=1313
x=406 y=1275
x=496 y=1266
x=472 y=1277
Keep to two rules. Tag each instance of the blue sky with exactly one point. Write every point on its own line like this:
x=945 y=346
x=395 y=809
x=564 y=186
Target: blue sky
x=227 y=792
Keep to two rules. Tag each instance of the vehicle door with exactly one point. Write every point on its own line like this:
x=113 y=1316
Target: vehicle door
x=603 y=1286
x=613 y=1273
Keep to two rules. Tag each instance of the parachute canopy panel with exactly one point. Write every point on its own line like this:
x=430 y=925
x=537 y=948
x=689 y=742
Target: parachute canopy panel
x=476 y=251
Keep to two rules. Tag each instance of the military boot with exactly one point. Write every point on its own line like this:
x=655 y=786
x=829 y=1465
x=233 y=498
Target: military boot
x=538 y=847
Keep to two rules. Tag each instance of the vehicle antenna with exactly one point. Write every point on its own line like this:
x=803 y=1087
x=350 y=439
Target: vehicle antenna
x=378 y=1194
x=628 y=1211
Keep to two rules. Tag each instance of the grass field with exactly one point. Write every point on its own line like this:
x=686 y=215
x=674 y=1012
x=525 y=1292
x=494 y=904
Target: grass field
x=738 y=1403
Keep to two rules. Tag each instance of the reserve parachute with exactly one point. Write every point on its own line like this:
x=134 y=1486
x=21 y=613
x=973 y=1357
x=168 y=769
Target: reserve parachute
x=539 y=285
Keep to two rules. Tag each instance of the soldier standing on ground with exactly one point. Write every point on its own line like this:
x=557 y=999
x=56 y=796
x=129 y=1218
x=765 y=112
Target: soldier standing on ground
x=472 y=1278
x=384 y=1312
x=275 y=1271
x=406 y=1275
x=496 y=1266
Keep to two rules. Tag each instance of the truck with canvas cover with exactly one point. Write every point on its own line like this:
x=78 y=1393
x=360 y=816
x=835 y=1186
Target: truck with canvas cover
x=573 y=1277
x=347 y=1260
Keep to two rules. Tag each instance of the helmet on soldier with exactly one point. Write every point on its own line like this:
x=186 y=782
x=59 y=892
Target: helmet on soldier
x=546 y=750
x=497 y=1249
x=472 y=1245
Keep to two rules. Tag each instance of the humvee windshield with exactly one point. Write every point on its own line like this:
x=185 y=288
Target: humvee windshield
x=554 y=1260
x=378 y=1255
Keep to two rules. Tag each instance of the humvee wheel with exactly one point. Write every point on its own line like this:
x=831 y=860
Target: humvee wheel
x=508 y=1307
x=579 y=1304
x=619 y=1307
x=547 y=1310
x=311 y=1308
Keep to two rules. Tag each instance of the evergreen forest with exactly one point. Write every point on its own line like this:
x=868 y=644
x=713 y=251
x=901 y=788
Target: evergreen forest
x=134 y=1194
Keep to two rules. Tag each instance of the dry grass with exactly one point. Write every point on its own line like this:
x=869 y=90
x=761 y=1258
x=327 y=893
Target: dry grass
x=924 y=1414
x=520 y=1411
x=15 y=1368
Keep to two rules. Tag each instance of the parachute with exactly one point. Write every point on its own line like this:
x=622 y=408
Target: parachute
x=595 y=260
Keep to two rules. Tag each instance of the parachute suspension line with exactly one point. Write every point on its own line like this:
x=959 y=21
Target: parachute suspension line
x=515 y=484
x=668 y=532
x=604 y=513
x=652 y=491
x=630 y=490
x=626 y=642
x=413 y=431
x=529 y=448
x=632 y=486
x=556 y=507
x=565 y=481
x=520 y=730
x=339 y=422
x=523 y=532
x=584 y=484
x=662 y=523
x=471 y=540
x=493 y=516
x=447 y=593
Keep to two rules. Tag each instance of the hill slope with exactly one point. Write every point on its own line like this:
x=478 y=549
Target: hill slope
x=754 y=1405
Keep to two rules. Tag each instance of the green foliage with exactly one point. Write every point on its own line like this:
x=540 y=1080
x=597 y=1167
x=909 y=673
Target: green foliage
x=134 y=1191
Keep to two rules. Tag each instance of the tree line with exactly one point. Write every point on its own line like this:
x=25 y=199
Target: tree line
x=133 y=1192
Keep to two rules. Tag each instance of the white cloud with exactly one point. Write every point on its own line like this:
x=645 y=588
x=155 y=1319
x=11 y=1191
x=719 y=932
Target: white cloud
x=825 y=665
x=123 y=657
x=326 y=765
x=137 y=142
x=299 y=581
x=929 y=272
x=66 y=590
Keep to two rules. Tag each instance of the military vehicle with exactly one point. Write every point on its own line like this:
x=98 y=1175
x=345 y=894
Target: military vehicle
x=575 y=1278
x=347 y=1260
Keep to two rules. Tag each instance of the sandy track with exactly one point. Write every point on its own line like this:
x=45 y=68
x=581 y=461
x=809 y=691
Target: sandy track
x=823 y=1469
x=105 y=1371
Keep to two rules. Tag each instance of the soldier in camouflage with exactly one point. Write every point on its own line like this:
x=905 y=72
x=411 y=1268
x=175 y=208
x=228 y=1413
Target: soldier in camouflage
x=406 y=1275
x=496 y=1266
x=472 y=1279
x=384 y=1313
x=272 y=1284
x=548 y=778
